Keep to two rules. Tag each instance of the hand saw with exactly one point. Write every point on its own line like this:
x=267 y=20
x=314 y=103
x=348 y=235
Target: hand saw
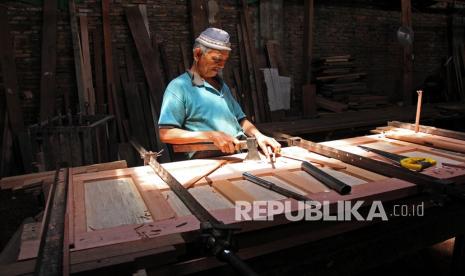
x=412 y=163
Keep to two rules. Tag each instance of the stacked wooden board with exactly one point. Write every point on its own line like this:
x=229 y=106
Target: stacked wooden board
x=117 y=216
x=342 y=86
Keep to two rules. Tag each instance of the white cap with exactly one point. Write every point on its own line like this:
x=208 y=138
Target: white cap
x=214 y=38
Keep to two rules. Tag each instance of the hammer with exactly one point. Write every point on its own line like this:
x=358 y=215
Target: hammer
x=250 y=144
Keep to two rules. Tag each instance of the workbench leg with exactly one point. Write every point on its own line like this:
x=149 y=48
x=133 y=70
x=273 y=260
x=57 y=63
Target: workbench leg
x=458 y=257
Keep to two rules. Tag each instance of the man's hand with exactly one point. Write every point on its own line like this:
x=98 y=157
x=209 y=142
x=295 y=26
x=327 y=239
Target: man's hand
x=265 y=141
x=226 y=143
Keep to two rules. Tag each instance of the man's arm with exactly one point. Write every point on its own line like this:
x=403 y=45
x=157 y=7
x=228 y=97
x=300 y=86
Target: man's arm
x=222 y=140
x=262 y=140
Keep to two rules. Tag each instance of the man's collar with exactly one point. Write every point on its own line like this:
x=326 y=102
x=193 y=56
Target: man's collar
x=197 y=80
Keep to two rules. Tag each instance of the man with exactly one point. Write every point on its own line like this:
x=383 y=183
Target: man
x=198 y=106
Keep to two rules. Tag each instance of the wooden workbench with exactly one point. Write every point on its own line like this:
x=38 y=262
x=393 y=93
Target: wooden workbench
x=126 y=215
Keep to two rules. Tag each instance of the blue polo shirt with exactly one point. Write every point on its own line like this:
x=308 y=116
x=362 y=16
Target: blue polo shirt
x=193 y=104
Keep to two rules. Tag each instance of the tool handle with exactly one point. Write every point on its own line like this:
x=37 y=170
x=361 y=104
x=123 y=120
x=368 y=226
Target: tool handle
x=328 y=180
x=203 y=147
x=417 y=163
x=238 y=264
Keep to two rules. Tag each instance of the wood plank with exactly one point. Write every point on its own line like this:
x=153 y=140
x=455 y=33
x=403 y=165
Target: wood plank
x=198 y=16
x=113 y=202
x=231 y=191
x=48 y=60
x=109 y=67
x=252 y=63
x=87 y=66
x=271 y=21
x=185 y=56
x=178 y=206
x=209 y=198
x=154 y=199
x=308 y=40
x=30 y=240
x=430 y=130
x=302 y=180
x=428 y=140
x=283 y=184
x=256 y=191
x=101 y=105
x=246 y=90
x=407 y=51
x=309 y=100
x=330 y=105
x=144 y=47
x=10 y=82
x=78 y=64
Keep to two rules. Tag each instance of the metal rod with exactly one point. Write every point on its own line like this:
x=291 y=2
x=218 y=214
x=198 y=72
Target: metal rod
x=273 y=187
x=328 y=180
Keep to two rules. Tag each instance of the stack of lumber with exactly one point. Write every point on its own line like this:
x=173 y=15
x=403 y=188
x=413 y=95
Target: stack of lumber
x=366 y=101
x=342 y=85
x=336 y=76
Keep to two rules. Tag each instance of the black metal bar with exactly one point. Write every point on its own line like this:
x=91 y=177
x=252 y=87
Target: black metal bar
x=328 y=180
x=427 y=183
x=50 y=256
x=430 y=130
x=273 y=187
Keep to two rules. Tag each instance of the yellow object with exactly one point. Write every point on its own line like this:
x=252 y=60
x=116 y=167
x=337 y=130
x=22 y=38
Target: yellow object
x=417 y=163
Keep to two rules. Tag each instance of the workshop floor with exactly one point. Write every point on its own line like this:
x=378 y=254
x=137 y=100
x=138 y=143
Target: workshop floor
x=435 y=260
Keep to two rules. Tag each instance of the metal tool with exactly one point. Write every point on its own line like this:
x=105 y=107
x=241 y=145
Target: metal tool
x=328 y=180
x=412 y=163
x=273 y=187
x=144 y=154
x=217 y=237
x=250 y=145
x=426 y=183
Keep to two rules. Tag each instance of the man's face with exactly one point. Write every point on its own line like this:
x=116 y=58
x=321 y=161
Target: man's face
x=211 y=62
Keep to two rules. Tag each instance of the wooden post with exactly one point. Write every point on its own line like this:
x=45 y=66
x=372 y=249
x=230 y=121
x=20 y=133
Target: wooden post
x=199 y=16
x=77 y=56
x=417 y=119
x=406 y=20
x=308 y=90
x=271 y=21
x=48 y=60
x=308 y=41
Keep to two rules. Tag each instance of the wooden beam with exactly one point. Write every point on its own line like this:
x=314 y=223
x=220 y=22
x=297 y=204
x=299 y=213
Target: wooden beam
x=308 y=40
x=147 y=56
x=198 y=16
x=10 y=82
x=251 y=62
x=271 y=21
x=86 y=66
x=309 y=100
x=77 y=56
x=9 y=77
x=98 y=68
x=110 y=82
x=407 y=53
x=430 y=130
x=48 y=60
